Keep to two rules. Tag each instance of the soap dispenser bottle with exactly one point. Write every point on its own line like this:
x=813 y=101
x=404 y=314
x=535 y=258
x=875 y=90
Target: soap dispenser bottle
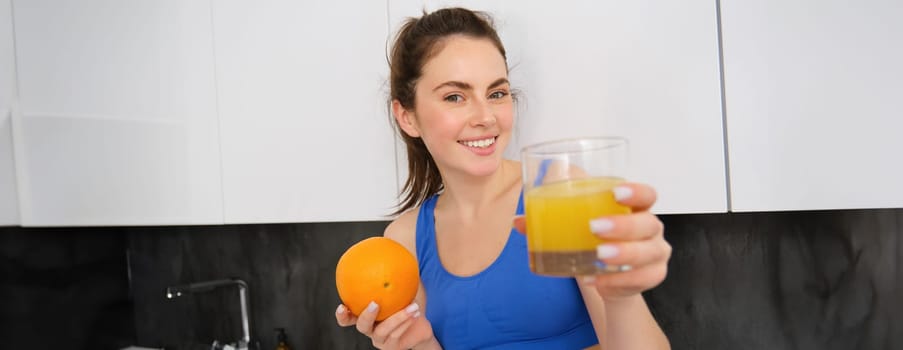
x=281 y=342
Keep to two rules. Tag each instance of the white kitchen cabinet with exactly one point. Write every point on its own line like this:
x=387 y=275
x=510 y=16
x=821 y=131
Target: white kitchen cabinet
x=9 y=207
x=813 y=91
x=117 y=118
x=304 y=123
x=646 y=70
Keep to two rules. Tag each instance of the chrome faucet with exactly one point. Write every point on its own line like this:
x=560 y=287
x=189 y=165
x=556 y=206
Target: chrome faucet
x=200 y=287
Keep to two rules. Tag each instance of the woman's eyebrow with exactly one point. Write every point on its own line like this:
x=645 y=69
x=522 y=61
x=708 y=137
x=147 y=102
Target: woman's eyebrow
x=465 y=86
x=455 y=84
x=498 y=82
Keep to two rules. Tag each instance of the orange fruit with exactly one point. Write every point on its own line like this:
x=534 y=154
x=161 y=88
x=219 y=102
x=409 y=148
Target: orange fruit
x=377 y=269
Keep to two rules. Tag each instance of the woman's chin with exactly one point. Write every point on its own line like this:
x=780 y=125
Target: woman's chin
x=486 y=167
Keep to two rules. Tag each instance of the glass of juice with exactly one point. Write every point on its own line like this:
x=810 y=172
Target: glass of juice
x=566 y=184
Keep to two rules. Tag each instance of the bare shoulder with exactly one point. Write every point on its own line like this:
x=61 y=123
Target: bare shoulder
x=403 y=229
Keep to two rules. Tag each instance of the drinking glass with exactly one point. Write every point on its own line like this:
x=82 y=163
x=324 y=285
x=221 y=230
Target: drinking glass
x=567 y=183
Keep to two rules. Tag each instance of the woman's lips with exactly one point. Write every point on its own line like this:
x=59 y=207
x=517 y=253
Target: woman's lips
x=483 y=147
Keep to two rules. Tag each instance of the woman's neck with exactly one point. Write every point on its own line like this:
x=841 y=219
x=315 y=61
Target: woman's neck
x=470 y=195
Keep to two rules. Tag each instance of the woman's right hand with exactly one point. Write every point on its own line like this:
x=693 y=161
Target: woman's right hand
x=405 y=329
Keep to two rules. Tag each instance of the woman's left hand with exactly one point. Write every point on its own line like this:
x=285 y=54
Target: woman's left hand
x=634 y=240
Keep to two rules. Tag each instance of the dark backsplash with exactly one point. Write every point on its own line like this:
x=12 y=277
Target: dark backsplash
x=794 y=280
x=64 y=288
x=289 y=269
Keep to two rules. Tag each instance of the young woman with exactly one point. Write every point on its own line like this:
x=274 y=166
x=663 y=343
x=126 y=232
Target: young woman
x=452 y=103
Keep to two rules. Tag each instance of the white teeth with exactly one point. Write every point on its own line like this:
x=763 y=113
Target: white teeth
x=479 y=143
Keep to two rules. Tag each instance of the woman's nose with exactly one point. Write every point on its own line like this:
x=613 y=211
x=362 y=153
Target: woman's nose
x=483 y=114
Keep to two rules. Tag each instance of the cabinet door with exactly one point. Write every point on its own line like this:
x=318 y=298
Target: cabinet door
x=304 y=123
x=647 y=70
x=9 y=208
x=118 y=113
x=813 y=91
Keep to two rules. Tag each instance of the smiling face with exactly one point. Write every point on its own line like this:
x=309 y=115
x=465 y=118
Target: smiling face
x=463 y=107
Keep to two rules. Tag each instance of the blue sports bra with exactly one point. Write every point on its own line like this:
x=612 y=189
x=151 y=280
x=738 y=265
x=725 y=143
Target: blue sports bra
x=504 y=306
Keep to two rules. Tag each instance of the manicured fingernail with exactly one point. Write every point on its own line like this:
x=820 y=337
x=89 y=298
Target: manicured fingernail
x=372 y=307
x=341 y=309
x=412 y=308
x=416 y=314
x=588 y=279
x=606 y=251
x=601 y=225
x=622 y=192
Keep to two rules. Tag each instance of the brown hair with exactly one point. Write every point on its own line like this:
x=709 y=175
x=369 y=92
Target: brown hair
x=416 y=42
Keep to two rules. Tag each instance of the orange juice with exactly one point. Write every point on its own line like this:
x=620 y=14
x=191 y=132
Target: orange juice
x=559 y=240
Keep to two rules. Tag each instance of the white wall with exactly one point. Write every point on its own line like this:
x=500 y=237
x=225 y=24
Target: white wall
x=305 y=132
x=174 y=112
x=118 y=113
x=813 y=95
x=9 y=208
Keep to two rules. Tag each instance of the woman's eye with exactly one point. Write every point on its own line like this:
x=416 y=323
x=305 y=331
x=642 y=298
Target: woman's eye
x=453 y=98
x=498 y=94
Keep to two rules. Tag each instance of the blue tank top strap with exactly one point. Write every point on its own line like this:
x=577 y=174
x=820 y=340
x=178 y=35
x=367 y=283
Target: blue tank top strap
x=520 y=204
x=425 y=239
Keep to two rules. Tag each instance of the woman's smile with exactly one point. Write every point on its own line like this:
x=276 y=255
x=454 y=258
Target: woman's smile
x=482 y=147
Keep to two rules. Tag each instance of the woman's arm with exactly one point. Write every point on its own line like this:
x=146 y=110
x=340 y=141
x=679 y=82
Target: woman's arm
x=616 y=306
x=407 y=328
x=403 y=230
x=623 y=323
